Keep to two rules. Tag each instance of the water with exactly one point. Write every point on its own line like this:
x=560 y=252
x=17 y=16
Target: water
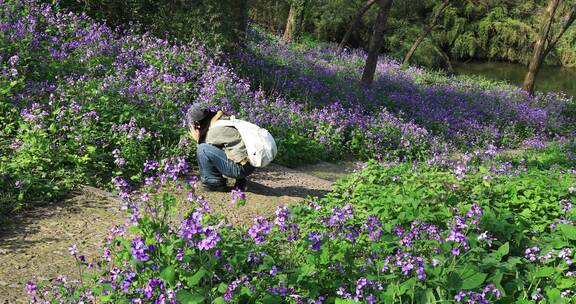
x=550 y=79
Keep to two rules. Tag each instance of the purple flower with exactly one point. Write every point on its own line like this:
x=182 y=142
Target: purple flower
x=455 y=251
x=374 y=228
x=478 y=297
x=191 y=226
x=229 y=294
x=238 y=197
x=282 y=217
x=491 y=150
x=180 y=254
x=259 y=230
x=530 y=253
x=316 y=239
x=537 y=295
x=211 y=239
x=151 y=165
x=31 y=288
x=13 y=60
x=151 y=285
x=340 y=215
x=73 y=250
x=139 y=249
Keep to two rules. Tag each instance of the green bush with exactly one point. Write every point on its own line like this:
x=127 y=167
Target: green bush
x=220 y=25
x=391 y=233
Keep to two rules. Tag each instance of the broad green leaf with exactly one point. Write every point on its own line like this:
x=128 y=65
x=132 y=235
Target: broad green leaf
x=197 y=277
x=222 y=287
x=219 y=300
x=454 y=281
x=168 y=274
x=568 y=231
x=566 y=283
x=544 y=272
x=503 y=250
x=554 y=296
x=426 y=296
x=186 y=297
x=472 y=278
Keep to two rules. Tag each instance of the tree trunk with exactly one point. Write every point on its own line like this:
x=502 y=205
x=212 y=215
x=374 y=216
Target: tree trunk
x=242 y=24
x=449 y=67
x=568 y=19
x=295 y=19
x=376 y=42
x=288 y=31
x=354 y=23
x=537 y=57
x=425 y=32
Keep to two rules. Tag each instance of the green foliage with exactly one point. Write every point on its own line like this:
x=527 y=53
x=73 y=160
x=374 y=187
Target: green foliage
x=486 y=30
x=404 y=233
x=220 y=25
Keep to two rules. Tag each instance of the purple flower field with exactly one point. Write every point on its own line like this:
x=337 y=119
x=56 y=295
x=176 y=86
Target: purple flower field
x=459 y=110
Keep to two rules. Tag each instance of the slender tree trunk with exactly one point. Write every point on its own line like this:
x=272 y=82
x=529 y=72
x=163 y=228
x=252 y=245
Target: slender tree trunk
x=425 y=32
x=288 y=31
x=376 y=42
x=295 y=19
x=278 y=22
x=354 y=23
x=568 y=20
x=537 y=57
x=449 y=67
x=242 y=6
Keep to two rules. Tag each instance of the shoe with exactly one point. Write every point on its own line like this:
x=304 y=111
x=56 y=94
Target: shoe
x=214 y=188
x=241 y=184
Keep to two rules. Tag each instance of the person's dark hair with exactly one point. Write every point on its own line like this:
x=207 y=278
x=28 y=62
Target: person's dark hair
x=205 y=122
x=199 y=118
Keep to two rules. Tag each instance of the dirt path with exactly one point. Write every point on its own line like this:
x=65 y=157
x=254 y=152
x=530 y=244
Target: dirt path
x=36 y=244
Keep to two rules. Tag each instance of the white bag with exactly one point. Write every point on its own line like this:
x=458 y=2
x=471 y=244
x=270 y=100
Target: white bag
x=260 y=144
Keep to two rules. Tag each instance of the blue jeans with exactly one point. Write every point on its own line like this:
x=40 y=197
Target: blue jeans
x=213 y=164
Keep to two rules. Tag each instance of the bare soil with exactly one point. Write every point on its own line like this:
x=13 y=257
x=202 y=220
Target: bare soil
x=36 y=244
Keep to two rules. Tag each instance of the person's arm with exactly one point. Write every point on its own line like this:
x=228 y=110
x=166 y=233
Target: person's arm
x=194 y=133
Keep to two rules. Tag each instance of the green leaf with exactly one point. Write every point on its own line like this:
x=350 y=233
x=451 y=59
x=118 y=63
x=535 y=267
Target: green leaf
x=222 y=287
x=426 y=296
x=345 y=301
x=197 y=277
x=406 y=286
x=454 y=281
x=544 y=272
x=186 y=297
x=168 y=274
x=246 y=291
x=219 y=300
x=554 y=296
x=472 y=278
x=503 y=250
x=273 y=299
x=566 y=283
x=568 y=231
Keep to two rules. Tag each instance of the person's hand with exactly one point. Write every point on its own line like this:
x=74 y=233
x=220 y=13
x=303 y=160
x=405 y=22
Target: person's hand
x=194 y=133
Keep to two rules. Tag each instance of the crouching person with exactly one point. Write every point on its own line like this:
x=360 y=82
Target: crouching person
x=220 y=151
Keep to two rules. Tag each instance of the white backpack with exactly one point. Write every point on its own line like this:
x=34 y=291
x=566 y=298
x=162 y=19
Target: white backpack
x=260 y=145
